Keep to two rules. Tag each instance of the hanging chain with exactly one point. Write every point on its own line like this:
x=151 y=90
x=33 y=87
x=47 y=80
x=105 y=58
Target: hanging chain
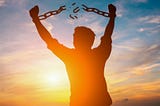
x=95 y=10
x=50 y=13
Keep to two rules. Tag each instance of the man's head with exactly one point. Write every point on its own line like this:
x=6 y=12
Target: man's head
x=83 y=38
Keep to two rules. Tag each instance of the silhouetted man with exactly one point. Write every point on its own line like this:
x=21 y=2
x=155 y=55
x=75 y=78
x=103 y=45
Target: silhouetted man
x=85 y=66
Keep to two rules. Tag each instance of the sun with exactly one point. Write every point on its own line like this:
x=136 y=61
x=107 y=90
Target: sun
x=53 y=79
x=54 y=86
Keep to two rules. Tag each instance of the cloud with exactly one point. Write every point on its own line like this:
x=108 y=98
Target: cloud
x=141 y=90
x=135 y=60
x=151 y=24
x=97 y=27
x=48 y=26
x=152 y=30
x=2 y=2
x=152 y=47
x=130 y=44
x=120 y=8
x=141 y=29
x=140 y=1
x=150 y=19
x=144 y=68
x=149 y=101
x=139 y=63
x=142 y=59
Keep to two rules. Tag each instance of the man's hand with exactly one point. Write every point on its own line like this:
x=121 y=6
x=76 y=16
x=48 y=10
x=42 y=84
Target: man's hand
x=34 y=12
x=112 y=10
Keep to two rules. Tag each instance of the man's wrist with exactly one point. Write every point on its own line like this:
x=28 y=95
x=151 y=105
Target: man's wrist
x=35 y=19
x=112 y=15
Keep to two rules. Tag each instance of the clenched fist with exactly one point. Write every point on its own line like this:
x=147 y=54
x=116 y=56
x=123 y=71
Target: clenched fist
x=34 y=12
x=112 y=10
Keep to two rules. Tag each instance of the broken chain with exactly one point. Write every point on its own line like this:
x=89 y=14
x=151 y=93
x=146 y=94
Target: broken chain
x=95 y=10
x=77 y=9
x=50 y=13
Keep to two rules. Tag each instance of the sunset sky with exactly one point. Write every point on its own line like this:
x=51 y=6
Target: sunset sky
x=30 y=75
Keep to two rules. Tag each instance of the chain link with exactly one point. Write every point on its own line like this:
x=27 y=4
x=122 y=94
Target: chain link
x=50 y=13
x=95 y=10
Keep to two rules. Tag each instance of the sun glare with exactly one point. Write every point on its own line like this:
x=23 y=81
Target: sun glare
x=53 y=79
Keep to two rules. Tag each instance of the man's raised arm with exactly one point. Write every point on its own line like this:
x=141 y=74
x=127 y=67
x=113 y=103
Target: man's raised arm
x=110 y=26
x=52 y=44
x=44 y=34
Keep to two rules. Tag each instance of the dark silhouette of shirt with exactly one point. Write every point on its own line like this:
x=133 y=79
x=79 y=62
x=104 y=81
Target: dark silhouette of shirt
x=86 y=72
